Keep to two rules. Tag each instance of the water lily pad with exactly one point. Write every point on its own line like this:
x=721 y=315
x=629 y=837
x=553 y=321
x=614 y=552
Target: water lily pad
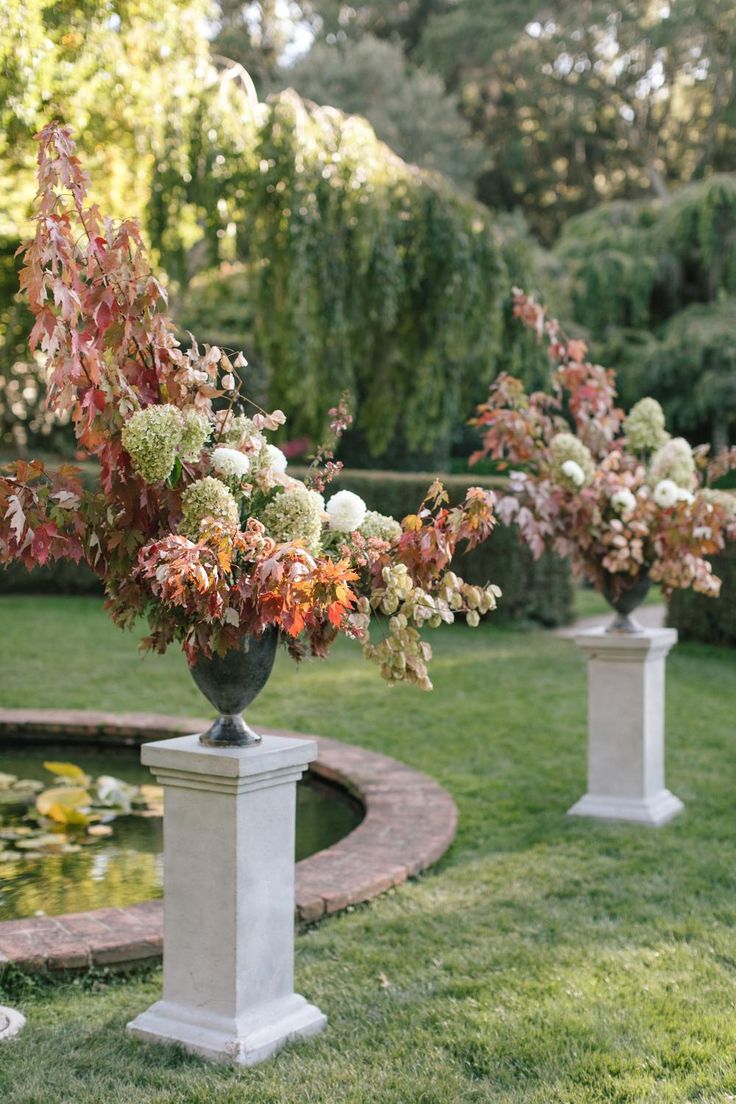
x=67 y=770
x=65 y=804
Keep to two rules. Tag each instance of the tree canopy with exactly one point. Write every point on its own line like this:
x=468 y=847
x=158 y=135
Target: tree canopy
x=574 y=103
x=654 y=284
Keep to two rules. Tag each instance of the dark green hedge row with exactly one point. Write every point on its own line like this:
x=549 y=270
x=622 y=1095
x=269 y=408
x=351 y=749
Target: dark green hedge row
x=710 y=620
x=540 y=591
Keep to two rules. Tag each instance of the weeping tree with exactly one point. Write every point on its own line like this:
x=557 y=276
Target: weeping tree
x=342 y=267
x=359 y=272
x=654 y=285
x=135 y=80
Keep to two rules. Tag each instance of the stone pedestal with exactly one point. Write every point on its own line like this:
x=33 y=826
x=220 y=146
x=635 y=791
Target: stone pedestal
x=229 y=817
x=626 y=726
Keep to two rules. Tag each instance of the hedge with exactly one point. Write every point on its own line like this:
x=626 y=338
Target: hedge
x=539 y=591
x=710 y=620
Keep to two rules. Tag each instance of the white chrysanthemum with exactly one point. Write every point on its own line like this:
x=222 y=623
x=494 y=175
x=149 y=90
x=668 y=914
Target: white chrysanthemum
x=572 y=471
x=205 y=498
x=346 y=512
x=666 y=493
x=624 y=501
x=274 y=460
x=151 y=437
x=382 y=526
x=644 y=426
x=295 y=514
x=196 y=430
x=229 y=463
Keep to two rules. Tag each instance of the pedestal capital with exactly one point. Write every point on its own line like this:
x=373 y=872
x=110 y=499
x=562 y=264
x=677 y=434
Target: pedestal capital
x=618 y=647
x=186 y=763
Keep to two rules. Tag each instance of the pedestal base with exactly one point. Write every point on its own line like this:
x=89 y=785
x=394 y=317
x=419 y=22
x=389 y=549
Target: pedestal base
x=243 y=1042
x=654 y=810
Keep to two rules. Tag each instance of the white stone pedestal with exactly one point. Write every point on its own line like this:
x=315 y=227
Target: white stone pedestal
x=229 y=818
x=626 y=726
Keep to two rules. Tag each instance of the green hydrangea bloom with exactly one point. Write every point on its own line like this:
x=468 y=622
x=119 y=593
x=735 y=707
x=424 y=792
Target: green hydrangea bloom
x=644 y=426
x=196 y=430
x=566 y=447
x=675 y=461
x=295 y=514
x=236 y=428
x=205 y=498
x=382 y=526
x=151 y=437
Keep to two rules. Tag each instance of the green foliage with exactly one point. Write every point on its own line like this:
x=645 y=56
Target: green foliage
x=360 y=273
x=151 y=114
x=654 y=284
x=408 y=108
x=374 y=278
x=698 y=618
x=573 y=105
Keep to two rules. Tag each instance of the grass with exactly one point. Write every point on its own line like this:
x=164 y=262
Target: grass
x=543 y=961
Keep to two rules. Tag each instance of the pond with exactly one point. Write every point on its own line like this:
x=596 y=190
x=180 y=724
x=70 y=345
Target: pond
x=126 y=866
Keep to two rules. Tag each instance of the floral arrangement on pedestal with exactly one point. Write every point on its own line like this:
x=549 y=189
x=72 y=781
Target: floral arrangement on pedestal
x=629 y=504
x=196 y=523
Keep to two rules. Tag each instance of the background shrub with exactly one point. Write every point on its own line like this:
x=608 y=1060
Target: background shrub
x=698 y=618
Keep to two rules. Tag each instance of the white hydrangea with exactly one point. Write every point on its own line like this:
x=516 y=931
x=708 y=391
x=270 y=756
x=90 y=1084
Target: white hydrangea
x=346 y=511
x=275 y=459
x=674 y=462
x=151 y=438
x=666 y=493
x=229 y=463
x=382 y=526
x=624 y=501
x=574 y=472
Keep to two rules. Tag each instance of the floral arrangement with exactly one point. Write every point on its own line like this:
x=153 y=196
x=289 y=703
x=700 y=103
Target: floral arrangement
x=617 y=494
x=196 y=523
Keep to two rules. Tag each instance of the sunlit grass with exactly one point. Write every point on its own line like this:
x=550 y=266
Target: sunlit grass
x=543 y=961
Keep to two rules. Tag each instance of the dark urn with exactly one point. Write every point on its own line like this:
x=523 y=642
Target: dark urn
x=625 y=599
x=231 y=682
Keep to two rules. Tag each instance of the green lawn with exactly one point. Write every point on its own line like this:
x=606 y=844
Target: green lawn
x=543 y=960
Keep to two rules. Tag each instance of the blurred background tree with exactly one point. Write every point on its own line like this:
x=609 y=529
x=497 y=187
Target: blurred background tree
x=574 y=103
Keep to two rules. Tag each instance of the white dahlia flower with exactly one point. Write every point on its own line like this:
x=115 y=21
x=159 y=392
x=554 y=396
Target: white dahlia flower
x=666 y=493
x=275 y=460
x=572 y=470
x=346 y=511
x=624 y=501
x=230 y=463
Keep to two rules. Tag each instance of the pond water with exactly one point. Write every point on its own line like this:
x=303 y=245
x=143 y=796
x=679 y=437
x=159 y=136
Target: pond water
x=127 y=866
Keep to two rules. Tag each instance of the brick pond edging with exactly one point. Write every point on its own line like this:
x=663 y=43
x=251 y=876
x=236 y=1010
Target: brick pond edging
x=409 y=823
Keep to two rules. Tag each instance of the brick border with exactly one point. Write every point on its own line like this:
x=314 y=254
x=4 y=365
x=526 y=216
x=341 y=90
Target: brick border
x=409 y=823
